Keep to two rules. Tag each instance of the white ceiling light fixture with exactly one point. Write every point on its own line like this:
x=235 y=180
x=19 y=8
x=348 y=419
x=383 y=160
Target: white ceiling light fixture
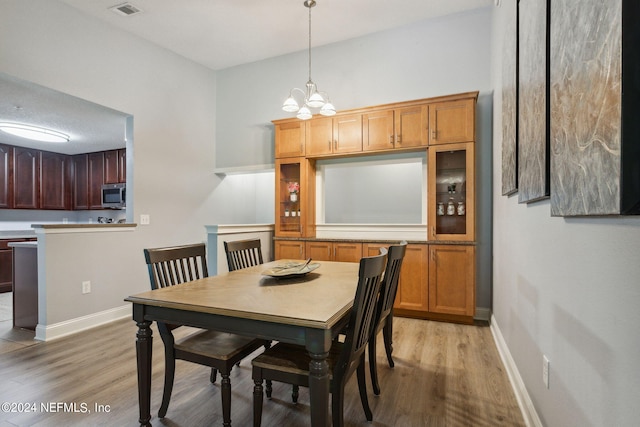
x=33 y=132
x=312 y=97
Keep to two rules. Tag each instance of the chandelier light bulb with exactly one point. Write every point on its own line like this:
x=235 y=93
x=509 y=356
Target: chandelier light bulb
x=304 y=113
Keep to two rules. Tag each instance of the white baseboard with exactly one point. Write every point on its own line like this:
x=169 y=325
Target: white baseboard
x=529 y=413
x=71 y=326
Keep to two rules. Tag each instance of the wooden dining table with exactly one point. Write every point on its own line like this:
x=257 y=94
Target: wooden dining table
x=307 y=309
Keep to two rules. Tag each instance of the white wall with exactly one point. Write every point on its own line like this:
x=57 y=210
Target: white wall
x=567 y=288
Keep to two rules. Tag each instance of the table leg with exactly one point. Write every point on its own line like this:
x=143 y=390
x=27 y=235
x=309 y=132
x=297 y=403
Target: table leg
x=144 y=342
x=319 y=389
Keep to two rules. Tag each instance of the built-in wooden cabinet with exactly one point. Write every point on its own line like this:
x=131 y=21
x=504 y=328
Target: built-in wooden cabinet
x=289 y=249
x=451 y=192
x=89 y=176
x=437 y=280
x=115 y=166
x=80 y=182
x=6 y=263
x=333 y=251
x=36 y=179
x=295 y=197
x=394 y=128
x=291 y=139
x=26 y=178
x=452 y=121
x=6 y=176
x=334 y=135
x=452 y=280
x=55 y=181
x=412 y=297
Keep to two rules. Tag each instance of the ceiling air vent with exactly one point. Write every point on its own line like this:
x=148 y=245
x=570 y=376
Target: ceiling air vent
x=125 y=9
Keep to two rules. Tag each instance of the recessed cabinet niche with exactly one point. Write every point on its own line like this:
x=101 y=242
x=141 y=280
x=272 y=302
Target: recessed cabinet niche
x=437 y=280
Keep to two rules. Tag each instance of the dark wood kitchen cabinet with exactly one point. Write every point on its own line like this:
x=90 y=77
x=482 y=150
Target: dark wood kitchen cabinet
x=6 y=176
x=36 y=179
x=55 y=181
x=96 y=179
x=26 y=178
x=115 y=162
x=80 y=182
x=6 y=263
x=89 y=177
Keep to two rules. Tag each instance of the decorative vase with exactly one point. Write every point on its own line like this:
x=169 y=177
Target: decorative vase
x=293 y=197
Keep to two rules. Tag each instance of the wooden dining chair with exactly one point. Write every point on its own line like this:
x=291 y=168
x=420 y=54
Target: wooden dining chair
x=219 y=350
x=289 y=363
x=243 y=253
x=384 y=310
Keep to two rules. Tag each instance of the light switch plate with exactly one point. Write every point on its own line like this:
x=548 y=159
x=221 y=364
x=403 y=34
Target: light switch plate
x=144 y=219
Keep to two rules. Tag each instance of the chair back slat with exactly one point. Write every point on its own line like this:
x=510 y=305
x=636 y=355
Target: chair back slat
x=362 y=319
x=177 y=264
x=389 y=286
x=243 y=253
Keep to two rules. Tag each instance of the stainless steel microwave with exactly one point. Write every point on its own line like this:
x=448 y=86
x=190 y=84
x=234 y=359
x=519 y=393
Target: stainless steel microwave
x=114 y=196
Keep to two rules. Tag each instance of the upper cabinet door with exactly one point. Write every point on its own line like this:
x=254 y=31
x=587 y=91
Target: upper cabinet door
x=347 y=133
x=451 y=122
x=377 y=130
x=290 y=139
x=411 y=126
x=55 y=181
x=26 y=175
x=451 y=192
x=320 y=136
x=6 y=176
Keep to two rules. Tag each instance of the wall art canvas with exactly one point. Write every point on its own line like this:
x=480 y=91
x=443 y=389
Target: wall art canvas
x=533 y=129
x=510 y=107
x=585 y=78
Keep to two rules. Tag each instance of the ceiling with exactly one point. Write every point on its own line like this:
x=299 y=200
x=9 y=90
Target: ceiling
x=91 y=127
x=215 y=33
x=224 y=33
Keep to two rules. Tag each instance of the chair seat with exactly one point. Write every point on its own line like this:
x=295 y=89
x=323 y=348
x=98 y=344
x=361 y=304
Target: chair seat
x=218 y=345
x=294 y=359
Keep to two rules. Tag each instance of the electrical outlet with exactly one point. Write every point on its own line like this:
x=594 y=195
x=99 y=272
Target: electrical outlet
x=144 y=219
x=545 y=370
x=86 y=287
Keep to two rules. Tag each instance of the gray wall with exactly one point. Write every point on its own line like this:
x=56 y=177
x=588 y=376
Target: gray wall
x=403 y=64
x=568 y=289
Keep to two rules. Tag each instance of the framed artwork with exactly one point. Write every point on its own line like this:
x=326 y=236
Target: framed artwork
x=587 y=110
x=510 y=107
x=533 y=100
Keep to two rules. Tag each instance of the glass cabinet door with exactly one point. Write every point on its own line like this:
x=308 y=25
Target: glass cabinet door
x=451 y=198
x=292 y=197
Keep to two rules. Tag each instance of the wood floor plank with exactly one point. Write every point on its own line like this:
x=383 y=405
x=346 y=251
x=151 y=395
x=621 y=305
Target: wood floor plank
x=444 y=375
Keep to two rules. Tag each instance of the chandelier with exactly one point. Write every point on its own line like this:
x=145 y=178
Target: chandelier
x=312 y=97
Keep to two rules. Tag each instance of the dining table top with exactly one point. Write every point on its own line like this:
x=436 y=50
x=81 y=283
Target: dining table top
x=317 y=299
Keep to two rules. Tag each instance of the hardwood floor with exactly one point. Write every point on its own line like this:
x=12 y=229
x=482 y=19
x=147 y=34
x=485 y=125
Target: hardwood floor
x=445 y=375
